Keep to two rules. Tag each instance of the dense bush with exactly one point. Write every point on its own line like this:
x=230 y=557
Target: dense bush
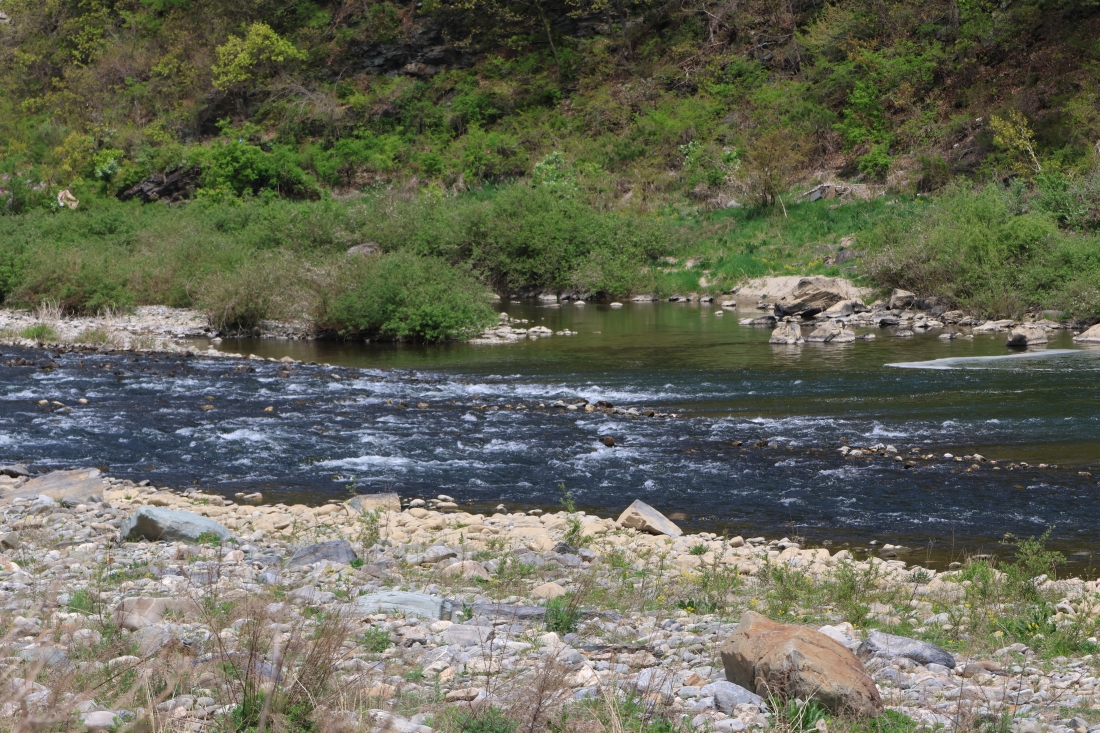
x=996 y=250
x=405 y=296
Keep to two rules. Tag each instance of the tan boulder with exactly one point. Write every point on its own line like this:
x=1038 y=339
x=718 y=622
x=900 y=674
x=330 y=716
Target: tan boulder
x=1091 y=336
x=375 y=502
x=643 y=517
x=548 y=591
x=468 y=569
x=788 y=661
x=74 y=487
x=1026 y=335
x=136 y=613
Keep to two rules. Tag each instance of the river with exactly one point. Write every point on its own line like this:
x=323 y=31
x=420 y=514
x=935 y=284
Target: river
x=753 y=449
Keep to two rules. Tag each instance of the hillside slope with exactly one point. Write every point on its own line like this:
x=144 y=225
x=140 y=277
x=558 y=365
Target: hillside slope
x=641 y=97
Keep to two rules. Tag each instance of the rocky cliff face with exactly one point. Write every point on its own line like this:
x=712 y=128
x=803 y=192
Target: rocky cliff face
x=424 y=53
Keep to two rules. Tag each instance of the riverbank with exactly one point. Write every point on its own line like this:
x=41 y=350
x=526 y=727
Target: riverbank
x=538 y=616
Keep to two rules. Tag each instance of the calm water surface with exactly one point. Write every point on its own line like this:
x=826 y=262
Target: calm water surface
x=790 y=408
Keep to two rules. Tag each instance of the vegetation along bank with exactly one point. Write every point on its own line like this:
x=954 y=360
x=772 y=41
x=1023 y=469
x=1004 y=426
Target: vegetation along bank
x=225 y=156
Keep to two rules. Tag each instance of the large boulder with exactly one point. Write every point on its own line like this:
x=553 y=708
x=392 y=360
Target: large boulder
x=643 y=517
x=811 y=296
x=335 y=551
x=169 y=525
x=174 y=185
x=786 y=333
x=789 y=661
x=1026 y=335
x=1091 y=336
x=364 y=503
x=900 y=299
x=890 y=646
x=69 y=487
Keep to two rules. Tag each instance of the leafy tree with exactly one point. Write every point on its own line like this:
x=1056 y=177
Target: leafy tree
x=259 y=53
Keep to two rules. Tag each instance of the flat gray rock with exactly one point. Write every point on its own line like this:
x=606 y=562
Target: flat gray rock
x=655 y=681
x=336 y=551
x=70 y=487
x=168 y=525
x=364 y=503
x=643 y=517
x=309 y=595
x=508 y=610
x=889 y=646
x=468 y=635
x=728 y=696
x=410 y=604
x=434 y=554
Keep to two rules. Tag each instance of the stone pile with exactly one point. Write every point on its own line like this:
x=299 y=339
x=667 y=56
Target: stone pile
x=452 y=605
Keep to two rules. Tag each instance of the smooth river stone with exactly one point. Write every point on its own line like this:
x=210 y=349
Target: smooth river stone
x=168 y=525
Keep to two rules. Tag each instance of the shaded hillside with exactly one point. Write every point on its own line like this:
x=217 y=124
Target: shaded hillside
x=645 y=100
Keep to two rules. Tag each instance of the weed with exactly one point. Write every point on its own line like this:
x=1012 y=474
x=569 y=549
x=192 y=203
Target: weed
x=39 y=332
x=562 y=615
x=208 y=538
x=485 y=719
x=375 y=640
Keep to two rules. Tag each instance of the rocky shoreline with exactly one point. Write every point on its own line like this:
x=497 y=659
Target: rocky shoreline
x=124 y=605
x=829 y=307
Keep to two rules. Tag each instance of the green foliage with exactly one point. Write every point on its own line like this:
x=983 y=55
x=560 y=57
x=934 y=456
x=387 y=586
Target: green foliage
x=483 y=719
x=39 y=332
x=996 y=251
x=375 y=640
x=241 y=60
x=406 y=296
x=208 y=538
x=562 y=615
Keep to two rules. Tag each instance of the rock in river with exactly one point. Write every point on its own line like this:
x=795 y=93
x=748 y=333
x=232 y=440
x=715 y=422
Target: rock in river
x=831 y=332
x=1026 y=335
x=1091 y=336
x=786 y=333
x=168 y=525
x=794 y=661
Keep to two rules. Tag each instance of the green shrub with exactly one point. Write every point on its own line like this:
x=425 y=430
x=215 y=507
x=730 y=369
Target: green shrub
x=269 y=285
x=375 y=639
x=39 y=332
x=485 y=719
x=406 y=296
x=562 y=615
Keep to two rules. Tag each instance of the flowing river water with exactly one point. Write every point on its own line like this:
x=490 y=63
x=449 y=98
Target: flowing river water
x=753 y=448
